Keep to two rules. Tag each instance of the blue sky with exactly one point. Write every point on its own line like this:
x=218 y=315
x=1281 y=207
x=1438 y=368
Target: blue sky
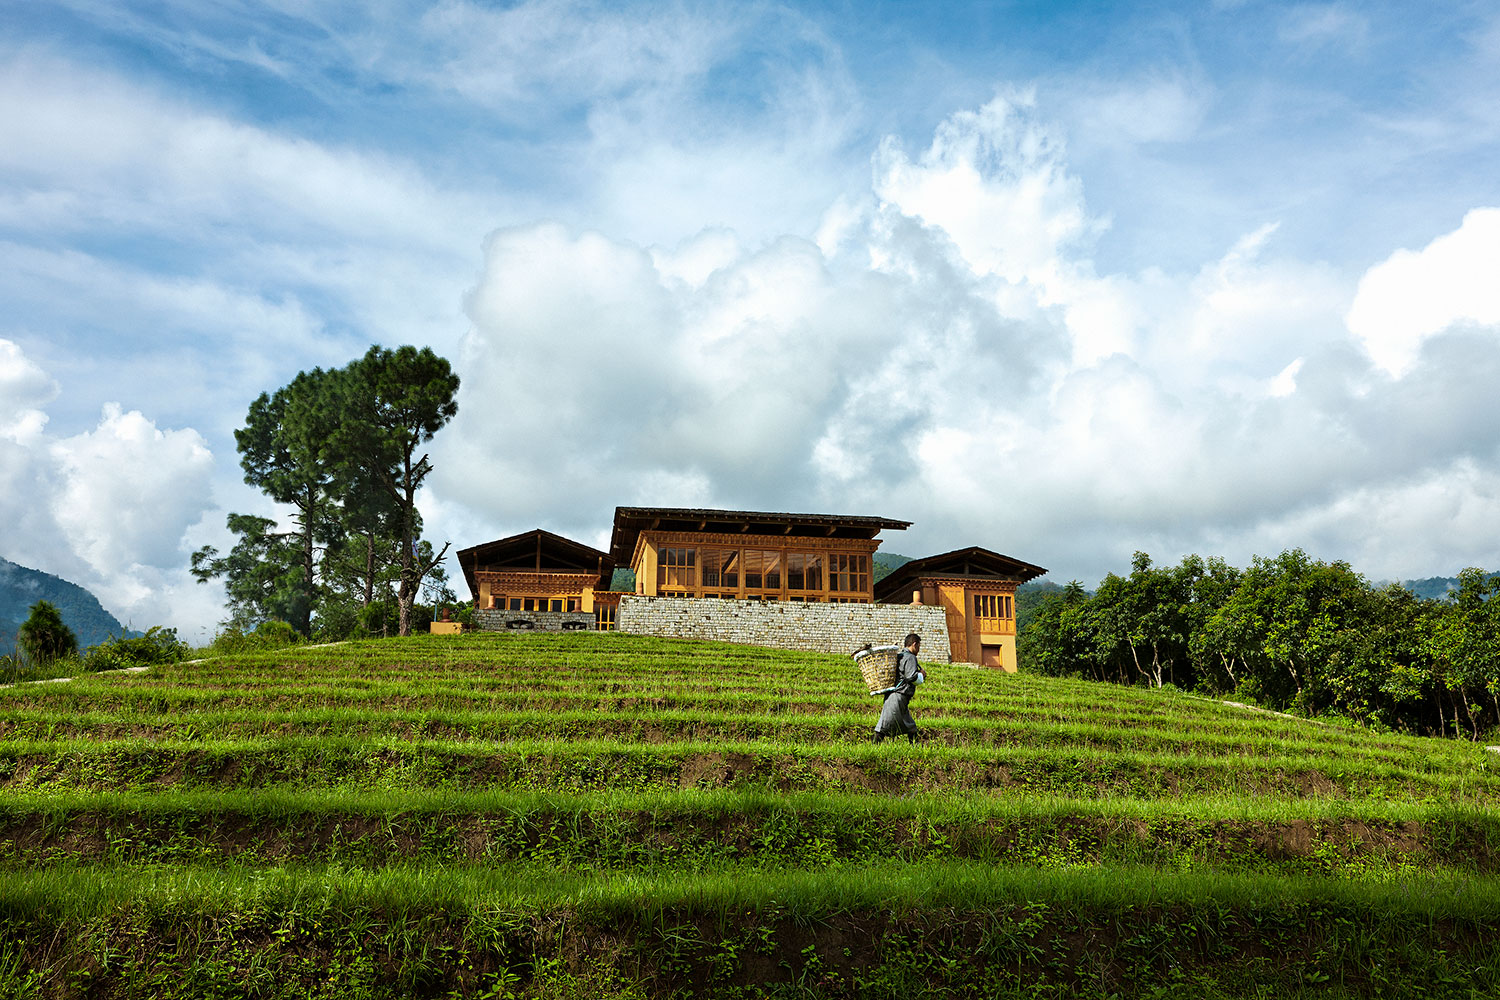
x=1066 y=281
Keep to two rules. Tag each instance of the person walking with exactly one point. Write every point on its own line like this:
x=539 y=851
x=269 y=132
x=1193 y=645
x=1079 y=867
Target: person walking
x=895 y=714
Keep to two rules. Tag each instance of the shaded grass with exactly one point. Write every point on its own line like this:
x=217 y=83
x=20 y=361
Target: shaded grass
x=925 y=930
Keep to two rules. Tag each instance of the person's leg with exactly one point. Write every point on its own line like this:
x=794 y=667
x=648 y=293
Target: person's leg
x=890 y=718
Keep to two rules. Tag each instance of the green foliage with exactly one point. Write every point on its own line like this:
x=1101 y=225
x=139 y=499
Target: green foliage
x=43 y=637
x=887 y=562
x=1289 y=632
x=262 y=576
x=393 y=402
x=158 y=645
x=338 y=447
x=266 y=636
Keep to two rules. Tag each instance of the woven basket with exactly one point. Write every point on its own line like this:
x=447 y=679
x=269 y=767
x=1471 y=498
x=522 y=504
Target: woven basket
x=878 y=666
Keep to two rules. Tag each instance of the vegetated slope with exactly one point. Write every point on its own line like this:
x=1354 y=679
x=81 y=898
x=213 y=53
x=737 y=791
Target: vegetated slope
x=606 y=815
x=81 y=611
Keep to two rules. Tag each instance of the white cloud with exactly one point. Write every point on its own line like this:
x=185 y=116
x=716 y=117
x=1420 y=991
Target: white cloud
x=1412 y=295
x=946 y=353
x=128 y=490
x=24 y=390
x=995 y=182
x=89 y=148
x=108 y=508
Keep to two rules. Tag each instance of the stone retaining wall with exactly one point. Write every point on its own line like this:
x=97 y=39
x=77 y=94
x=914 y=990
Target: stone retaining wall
x=496 y=620
x=821 y=628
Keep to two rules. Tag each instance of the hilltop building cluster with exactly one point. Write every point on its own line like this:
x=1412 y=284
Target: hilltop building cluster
x=734 y=555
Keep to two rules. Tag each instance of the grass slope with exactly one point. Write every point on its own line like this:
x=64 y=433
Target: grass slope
x=606 y=815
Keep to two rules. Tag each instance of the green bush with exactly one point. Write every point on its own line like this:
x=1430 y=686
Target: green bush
x=267 y=635
x=157 y=645
x=43 y=637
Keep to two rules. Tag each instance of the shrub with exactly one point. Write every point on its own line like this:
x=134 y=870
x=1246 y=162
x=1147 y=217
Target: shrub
x=157 y=645
x=267 y=635
x=44 y=637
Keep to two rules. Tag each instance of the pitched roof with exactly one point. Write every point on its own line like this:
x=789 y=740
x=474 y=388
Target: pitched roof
x=973 y=563
x=537 y=550
x=631 y=521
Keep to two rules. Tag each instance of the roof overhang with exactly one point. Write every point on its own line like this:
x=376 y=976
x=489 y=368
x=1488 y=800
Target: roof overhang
x=537 y=551
x=631 y=521
x=972 y=563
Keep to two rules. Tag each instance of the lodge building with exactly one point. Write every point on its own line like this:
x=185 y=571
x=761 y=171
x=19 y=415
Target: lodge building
x=750 y=556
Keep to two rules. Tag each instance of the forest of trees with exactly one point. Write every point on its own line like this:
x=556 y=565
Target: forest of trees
x=1288 y=632
x=339 y=448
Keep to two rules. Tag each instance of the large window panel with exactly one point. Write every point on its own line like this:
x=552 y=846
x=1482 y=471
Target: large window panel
x=848 y=574
x=762 y=570
x=719 y=567
x=815 y=572
x=804 y=571
x=676 y=567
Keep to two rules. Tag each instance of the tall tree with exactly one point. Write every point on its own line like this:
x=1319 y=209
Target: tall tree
x=392 y=403
x=282 y=452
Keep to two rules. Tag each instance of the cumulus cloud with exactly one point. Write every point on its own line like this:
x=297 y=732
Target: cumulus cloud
x=24 y=389
x=947 y=352
x=107 y=508
x=1413 y=295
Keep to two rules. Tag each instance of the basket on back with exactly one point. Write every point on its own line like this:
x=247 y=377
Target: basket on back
x=877 y=664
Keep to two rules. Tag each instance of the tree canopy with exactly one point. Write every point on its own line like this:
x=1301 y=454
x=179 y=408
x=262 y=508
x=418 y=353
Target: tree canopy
x=1289 y=632
x=340 y=449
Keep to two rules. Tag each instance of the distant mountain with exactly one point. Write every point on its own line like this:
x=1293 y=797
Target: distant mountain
x=21 y=587
x=886 y=562
x=1440 y=587
x=1433 y=586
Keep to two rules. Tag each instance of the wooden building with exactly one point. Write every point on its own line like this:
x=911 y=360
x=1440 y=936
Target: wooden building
x=976 y=589
x=752 y=555
x=539 y=571
x=748 y=555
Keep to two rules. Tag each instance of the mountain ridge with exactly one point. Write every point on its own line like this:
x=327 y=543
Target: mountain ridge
x=22 y=586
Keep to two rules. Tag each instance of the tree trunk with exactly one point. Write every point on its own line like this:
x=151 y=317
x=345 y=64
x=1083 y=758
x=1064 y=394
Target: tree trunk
x=369 y=567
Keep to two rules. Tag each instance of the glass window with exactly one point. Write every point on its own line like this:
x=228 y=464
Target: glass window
x=720 y=567
x=804 y=571
x=676 y=567
x=755 y=576
x=849 y=574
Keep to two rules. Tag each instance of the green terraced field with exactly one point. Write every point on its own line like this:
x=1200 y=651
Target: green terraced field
x=606 y=815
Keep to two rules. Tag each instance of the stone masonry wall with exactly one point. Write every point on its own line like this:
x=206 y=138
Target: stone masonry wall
x=496 y=620
x=821 y=628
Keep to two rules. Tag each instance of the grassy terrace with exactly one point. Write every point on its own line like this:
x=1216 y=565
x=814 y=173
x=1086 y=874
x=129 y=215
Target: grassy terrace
x=603 y=815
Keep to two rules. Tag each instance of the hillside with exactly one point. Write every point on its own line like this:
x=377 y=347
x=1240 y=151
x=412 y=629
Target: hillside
x=21 y=587
x=602 y=815
x=886 y=562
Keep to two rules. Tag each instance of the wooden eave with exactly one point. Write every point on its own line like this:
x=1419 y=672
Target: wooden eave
x=973 y=563
x=537 y=551
x=631 y=521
